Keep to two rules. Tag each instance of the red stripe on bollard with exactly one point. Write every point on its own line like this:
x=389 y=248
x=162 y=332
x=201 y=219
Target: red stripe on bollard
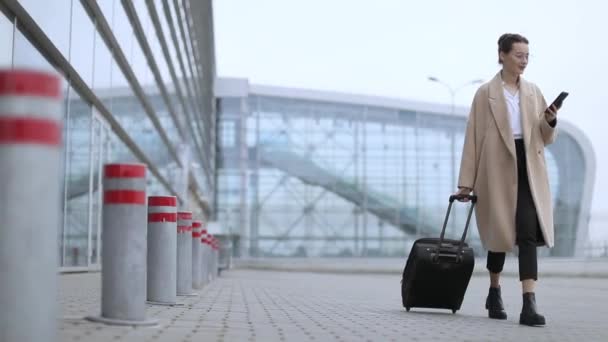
x=162 y=201
x=124 y=197
x=184 y=215
x=162 y=217
x=196 y=224
x=125 y=171
x=29 y=83
x=183 y=229
x=20 y=130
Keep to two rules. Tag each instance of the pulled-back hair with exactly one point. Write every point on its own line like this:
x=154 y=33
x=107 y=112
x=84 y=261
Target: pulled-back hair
x=506 y=41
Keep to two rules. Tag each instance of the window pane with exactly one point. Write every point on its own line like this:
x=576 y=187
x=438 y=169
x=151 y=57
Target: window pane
x=83 y=39
x=6 y=42
x=53 y=17
x=26 y=56
x=123 y=31
x=103 y=67
x=107 y=8
x=138 y=61
x=75 y=235
x=143 y=13
x=167 y=32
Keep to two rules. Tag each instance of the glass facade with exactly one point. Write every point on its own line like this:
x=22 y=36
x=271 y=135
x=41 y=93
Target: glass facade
x=125 y=99
x=322 y=174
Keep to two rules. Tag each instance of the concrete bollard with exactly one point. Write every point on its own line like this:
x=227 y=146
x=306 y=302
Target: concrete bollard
x=184 y=254
x=123 y=275
x=162 y=250
x=216 y=258
x=208 y=258
x=204 y=256
x=30 y=189
x=213 y=266
x=196 y=255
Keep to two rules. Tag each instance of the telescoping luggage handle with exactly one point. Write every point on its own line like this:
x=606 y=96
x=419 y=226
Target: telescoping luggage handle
x=473 y=199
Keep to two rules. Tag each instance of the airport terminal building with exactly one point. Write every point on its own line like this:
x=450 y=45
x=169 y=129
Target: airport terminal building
x=304 y=172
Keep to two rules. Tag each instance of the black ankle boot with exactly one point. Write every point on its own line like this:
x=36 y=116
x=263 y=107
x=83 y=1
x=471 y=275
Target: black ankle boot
x=528 y=315
x=494 y=304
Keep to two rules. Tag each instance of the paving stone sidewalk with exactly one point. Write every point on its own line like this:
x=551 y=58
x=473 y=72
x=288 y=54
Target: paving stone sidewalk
x=255 y=305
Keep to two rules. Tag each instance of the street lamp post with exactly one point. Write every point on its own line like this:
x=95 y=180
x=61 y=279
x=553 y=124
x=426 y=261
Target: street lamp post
x=453 y=92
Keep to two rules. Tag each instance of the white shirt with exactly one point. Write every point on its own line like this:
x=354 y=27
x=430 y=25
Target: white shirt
x=514 y=113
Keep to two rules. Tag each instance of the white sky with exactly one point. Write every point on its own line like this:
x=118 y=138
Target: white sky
x=390 y=47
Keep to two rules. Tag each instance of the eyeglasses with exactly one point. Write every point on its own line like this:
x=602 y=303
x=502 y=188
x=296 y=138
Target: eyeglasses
x=522 y=56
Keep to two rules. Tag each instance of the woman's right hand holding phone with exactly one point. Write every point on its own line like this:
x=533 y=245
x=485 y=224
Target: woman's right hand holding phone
x=551 y=113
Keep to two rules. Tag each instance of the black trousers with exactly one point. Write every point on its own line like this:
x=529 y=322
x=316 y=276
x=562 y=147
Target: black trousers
x=528 y=233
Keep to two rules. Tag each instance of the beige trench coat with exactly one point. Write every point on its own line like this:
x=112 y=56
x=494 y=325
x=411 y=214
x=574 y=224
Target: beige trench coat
x=489 y=164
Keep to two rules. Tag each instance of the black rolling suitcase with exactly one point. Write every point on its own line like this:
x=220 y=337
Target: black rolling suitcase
x=438 y=270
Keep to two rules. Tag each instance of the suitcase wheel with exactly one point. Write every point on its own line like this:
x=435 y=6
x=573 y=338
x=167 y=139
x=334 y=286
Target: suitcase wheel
x=407 y=308
x=454 y=311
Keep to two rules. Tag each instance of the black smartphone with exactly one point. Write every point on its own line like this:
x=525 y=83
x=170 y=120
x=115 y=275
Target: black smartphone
x=559 y=100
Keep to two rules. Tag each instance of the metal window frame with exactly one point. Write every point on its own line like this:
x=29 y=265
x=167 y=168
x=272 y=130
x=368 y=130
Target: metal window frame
x=187 y=82
x=206 y=92
x=180 y=61
x=178 y=89
x=187 y=56
x=106 y=33
x=202 y=34
x=195 y=52
x=197 y=80
x=147 y=51
x=90 y=218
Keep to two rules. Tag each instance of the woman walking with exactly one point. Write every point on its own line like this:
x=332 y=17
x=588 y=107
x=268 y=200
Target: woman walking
x=503 y=163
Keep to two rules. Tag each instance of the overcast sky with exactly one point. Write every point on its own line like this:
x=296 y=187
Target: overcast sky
x=390 y=47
